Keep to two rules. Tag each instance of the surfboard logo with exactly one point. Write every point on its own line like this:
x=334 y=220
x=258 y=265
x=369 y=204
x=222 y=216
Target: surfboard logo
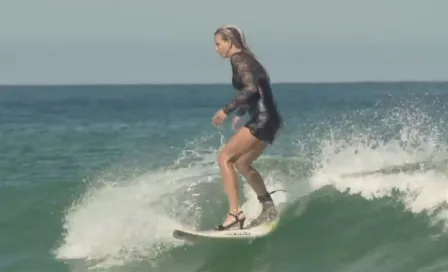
x=245 y=233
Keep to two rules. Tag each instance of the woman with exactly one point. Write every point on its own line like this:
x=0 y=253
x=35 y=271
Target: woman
x=254 y=96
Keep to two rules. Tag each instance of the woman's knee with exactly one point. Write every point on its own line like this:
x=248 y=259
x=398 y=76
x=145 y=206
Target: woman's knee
x=224 y=157
x=244 y=167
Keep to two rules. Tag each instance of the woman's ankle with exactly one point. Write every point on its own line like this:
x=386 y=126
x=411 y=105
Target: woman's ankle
x=236 y=211
x=265 y=198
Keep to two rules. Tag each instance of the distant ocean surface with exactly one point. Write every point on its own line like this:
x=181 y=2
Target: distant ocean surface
x=95 y=178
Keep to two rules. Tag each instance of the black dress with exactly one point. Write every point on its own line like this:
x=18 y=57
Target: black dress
x=254 y=97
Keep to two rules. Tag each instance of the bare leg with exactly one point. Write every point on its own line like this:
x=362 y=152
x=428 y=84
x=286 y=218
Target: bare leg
x=253 y=177
x=241 y=143
x=244 y=165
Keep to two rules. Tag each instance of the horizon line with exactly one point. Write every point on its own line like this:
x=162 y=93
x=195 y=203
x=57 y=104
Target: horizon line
x=213 y=83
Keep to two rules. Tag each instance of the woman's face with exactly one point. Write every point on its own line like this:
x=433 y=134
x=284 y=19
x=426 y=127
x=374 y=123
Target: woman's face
x=222 y=46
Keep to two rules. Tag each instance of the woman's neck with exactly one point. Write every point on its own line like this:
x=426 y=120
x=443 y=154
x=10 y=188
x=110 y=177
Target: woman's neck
x=234 y=51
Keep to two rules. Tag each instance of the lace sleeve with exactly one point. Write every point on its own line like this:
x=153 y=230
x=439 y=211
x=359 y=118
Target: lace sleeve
x=244 y=70
x=241 y=111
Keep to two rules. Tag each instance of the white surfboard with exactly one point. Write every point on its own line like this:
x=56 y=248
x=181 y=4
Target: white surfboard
x=245 y=233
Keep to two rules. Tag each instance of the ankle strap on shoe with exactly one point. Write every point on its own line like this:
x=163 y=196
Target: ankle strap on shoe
x=264 y=198
x=267 y=197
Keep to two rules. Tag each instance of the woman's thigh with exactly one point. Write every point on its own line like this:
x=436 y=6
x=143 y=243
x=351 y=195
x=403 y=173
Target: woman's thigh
x=240 y=144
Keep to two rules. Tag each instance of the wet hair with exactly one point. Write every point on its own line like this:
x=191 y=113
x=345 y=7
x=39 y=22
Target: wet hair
x=235 y=35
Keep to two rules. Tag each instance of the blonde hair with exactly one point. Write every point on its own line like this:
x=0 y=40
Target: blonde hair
x=237 y=37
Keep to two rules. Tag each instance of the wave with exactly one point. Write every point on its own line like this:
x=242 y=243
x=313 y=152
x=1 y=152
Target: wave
x=370 y=199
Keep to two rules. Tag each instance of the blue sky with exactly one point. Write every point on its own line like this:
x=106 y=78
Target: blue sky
x=157 y=41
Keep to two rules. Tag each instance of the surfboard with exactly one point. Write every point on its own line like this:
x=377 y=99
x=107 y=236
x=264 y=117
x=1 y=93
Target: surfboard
x=245 y=233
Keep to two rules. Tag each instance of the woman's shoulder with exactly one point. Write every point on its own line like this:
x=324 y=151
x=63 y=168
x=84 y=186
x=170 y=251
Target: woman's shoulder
x=244 y=58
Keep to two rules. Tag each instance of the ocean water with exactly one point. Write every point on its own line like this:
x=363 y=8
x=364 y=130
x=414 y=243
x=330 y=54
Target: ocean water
x=95 y=178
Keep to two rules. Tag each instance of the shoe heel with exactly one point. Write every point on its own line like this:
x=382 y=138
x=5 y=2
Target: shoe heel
x=242 y=223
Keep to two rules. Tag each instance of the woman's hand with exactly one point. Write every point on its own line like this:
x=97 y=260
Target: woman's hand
x=219 y=118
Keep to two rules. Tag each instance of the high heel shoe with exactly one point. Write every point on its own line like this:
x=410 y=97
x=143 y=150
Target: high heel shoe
x=238 y=220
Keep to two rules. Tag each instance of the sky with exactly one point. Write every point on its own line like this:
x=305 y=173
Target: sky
x=166 y=41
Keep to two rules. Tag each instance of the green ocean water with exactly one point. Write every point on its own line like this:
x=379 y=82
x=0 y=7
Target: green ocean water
x=95 y=178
